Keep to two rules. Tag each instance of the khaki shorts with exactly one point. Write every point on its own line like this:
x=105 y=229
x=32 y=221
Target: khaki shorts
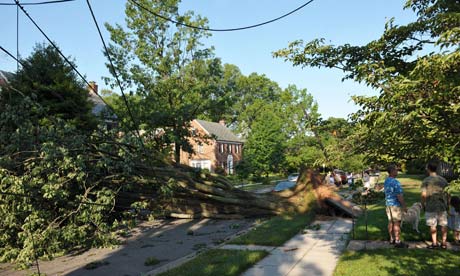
x=436 y=218
x=396 y=213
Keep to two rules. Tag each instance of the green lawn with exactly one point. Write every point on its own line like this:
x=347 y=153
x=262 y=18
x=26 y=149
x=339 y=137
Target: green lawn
x=397 y=261
x=218 y=262
x=417 y=262
x=277 y=230
x=377 y=221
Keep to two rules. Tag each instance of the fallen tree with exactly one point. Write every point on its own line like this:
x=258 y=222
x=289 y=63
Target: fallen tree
x=63 y=189
x=209 y=195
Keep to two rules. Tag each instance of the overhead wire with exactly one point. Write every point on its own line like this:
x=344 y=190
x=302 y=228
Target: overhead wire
x=115 y=74
x=11 y=55
x=175 y=21
x=17 y=37
x=76 y=70
x=63 y=56
x=73 y=68
x=37 y=3
x=18 y=61
x=214 y=29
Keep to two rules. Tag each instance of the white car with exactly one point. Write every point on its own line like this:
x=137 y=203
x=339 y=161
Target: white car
x=293 y=177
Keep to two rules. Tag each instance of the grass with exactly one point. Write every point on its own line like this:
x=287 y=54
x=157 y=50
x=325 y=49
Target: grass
x=218 y=262
x=417 y=262
x=377 y=220
x=397 y=261
x=276 y=231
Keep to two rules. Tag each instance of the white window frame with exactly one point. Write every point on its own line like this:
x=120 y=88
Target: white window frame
x=202 y=164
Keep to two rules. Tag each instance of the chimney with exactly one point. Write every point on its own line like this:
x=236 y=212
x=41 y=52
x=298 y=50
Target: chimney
x=222 y=122
x=92 y=87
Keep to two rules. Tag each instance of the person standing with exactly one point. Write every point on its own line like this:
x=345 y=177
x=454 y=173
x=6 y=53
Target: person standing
x=435 y=203
x=366 y=181
x=454 y=217
x=395 y=205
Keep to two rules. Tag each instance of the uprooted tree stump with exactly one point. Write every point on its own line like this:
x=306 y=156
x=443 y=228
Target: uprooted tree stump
x=212 y=196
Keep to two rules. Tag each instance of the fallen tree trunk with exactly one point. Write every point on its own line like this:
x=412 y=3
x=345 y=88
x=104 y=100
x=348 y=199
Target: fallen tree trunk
x=199 y=195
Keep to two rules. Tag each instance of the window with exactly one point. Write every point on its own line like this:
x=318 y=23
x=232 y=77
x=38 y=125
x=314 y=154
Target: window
x=229 y=148
x=221 y=148
x=237 y=148
x=201 y=164
x=199 y=149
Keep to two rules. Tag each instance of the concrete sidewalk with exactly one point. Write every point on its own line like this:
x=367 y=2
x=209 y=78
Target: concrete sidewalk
x=312 y=253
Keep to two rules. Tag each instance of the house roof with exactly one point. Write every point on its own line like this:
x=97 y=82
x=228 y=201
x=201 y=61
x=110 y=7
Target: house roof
x=99 y=104
x=4 y=76
x=221 y=132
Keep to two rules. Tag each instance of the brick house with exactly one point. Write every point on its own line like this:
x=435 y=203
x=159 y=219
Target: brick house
x=223 y=150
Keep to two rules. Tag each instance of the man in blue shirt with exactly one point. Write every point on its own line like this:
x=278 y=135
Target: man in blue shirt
x=395 y=206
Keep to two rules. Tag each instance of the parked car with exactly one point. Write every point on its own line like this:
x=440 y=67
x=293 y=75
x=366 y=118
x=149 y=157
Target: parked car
x=293 y=177
x=342 y=175
x=284 y=185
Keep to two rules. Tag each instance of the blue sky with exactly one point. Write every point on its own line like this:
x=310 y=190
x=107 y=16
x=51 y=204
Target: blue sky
x=353 y=21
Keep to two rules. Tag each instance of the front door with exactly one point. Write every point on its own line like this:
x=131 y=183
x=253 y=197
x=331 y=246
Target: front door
x=230 y=164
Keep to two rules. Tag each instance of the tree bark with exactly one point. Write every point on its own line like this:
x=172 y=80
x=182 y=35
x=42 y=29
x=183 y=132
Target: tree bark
x=208 y=195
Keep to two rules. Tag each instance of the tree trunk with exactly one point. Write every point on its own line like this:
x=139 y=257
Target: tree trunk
x=177 y=153
x=210 y=195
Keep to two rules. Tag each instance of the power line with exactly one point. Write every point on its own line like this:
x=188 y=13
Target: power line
x=13 y=57
x=38 y=3
x=17 y=37
x=62 y=55
x=218 y=30
x=75 y=106
x=136 y=125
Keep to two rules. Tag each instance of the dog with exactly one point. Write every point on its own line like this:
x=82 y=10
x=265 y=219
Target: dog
x=412 y=215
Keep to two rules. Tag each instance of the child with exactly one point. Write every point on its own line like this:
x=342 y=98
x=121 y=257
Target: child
x=454 y=217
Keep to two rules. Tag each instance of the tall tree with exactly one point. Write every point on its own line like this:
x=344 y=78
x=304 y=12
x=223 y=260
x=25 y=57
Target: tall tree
x=253 y=92
x=55 y=86
x=224 y=94
x=415 y=69
x=301 y=116
x=265 y=144
x=166 y=65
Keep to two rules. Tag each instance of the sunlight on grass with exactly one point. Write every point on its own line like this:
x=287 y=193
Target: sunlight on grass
x=276 y=231
x=218 y=262
x=377 y=220
x=417 y=262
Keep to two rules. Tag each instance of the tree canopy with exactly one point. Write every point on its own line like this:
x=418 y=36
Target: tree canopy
x=47 y=78
x=166 y=66
x=415 y=68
